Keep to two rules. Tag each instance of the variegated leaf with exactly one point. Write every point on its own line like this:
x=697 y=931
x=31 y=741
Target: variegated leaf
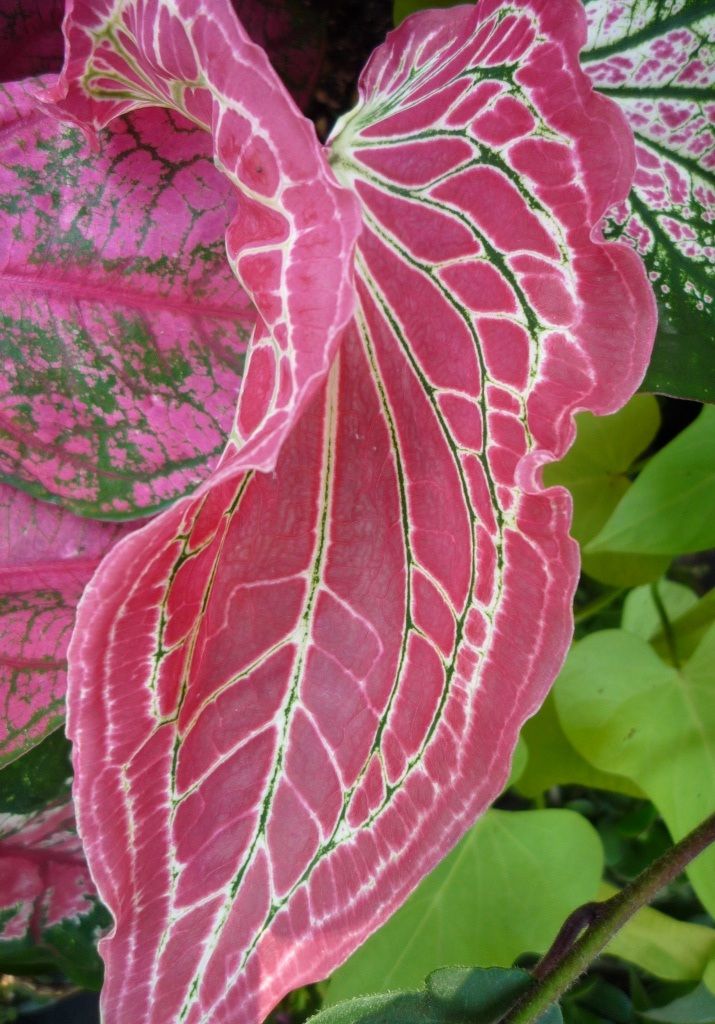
x=122 y=328
x=293 y=234
x=314 y=678
x=47 y=556
x=47 y=899
x=657 y=59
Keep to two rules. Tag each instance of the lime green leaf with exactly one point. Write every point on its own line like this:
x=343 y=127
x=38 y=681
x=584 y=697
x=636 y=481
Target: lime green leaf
x=553 y=761
x=669 y=508
x=626 y=711
x=640 y=614
x=709 y=976
x=595 y=471
x=450 y=996
x=690 y=627
x=504 y=890
x=670 y=949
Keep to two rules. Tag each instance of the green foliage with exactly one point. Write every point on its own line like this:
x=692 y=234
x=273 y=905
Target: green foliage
x=39 y=777
x=627 y=710
x=402 y=8
x=689 y=627
x=504 y=890
x=596 y=471
x=671 y=949
x=697 y=1007
x=450 y=996
x=554 y=761
x=669 y=509
x=35 y=781
x=640 y=610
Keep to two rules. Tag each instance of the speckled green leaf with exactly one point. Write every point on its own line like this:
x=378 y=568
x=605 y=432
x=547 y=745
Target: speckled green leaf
x=656 y=59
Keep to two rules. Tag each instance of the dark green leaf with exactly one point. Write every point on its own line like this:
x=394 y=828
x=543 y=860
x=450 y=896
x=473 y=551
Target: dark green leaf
x=39 y=777
x=459 y=995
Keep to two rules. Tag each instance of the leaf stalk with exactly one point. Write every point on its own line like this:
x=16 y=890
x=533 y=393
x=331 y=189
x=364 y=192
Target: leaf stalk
x=591 y=927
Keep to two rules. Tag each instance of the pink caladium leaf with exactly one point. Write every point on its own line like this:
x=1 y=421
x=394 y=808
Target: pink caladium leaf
x=122 y=328
x=47 y=555
x=31 y=40
x=292 y=693
x=293 y=234
x=47 y=898
x=656 y=60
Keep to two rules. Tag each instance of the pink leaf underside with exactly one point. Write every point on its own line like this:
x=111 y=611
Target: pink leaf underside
x=663 y=81
x=31 y=40
x=44 y=879
x=316 y=677
x=47 y=555
x=124 y=329
x=293 y=234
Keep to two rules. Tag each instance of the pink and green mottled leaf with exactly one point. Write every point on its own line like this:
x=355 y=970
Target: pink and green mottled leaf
x=315 y=677
x=47 y=555
x=657 y=59
x=293 y=234
x=31 y=40
x=48 y=903
x=122 y=327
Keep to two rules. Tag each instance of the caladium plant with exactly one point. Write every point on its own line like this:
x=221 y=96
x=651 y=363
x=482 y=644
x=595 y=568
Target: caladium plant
x=292 y=691
x=47 y=556
x=656 y=61
x=47 y=898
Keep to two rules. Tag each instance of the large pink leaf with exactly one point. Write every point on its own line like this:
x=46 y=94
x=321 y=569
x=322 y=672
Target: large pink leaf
x=293 y=234
x=30 y=38
x=47 y=556
x=123 y=327
x=314 y=678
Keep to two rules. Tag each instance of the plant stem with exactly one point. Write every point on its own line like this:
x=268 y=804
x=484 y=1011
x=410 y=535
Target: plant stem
x=666 y=624
x=570 y=955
